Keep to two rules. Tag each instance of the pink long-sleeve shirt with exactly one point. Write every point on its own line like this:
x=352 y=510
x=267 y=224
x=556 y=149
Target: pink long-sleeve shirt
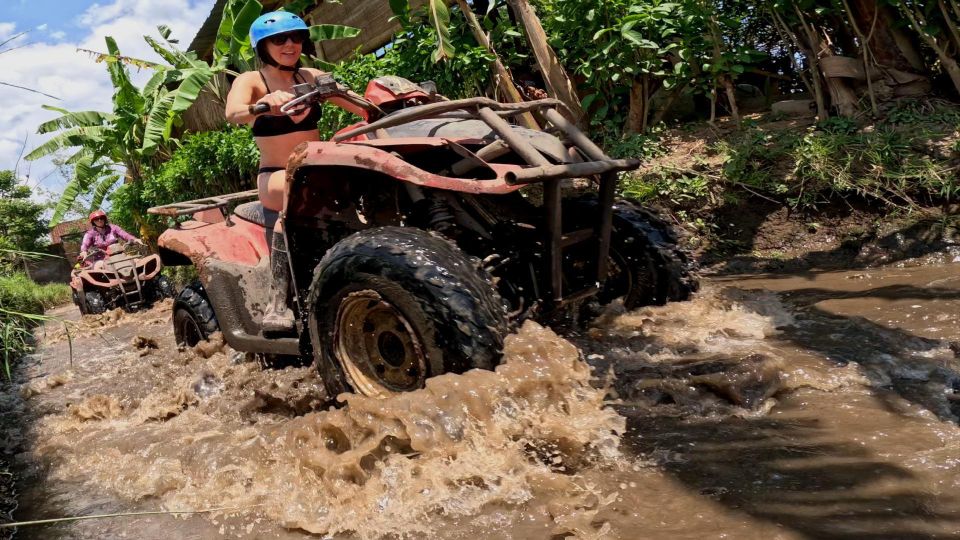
x=102 y=239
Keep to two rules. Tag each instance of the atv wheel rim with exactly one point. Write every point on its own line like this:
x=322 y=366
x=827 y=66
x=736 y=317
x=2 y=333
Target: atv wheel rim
x=377 y=347
x=190 y=332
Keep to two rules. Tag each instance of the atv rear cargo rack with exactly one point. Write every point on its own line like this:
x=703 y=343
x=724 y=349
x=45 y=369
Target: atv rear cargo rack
x=218 y=202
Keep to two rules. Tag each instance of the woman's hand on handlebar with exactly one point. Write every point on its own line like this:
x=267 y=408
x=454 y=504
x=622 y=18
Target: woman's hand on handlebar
x=275 y=100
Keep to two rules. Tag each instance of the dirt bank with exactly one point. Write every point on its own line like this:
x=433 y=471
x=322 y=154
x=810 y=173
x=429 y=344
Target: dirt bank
x=786 y=194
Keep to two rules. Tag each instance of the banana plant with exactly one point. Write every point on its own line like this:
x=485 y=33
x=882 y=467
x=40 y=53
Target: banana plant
x=139 y=133
x=438 y=12
x=232 y=47
x=92 y=175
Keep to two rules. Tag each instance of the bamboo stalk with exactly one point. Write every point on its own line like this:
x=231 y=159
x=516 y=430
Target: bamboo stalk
x=952 y=26
x=555 y=76
x=815 y=82
x=865 y=49
x=504 y=79
x=949 y=64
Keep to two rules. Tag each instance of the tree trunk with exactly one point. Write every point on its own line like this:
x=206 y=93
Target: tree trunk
x=815 y=82
x=865 y=54
x=953 y=70
x=727 y=84
x=949 y=64
x=661 y=113
x=635 y=114
x=554 y=75
x=501 y=75
x=890 y=45
x=842 y=97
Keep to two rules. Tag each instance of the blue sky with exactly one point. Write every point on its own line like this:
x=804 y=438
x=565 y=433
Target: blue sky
x=46 y=59
x=59 y=16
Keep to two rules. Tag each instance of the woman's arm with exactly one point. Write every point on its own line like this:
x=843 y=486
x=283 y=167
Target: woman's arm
x=85 y=243
x=117 y=230
x=241 y=99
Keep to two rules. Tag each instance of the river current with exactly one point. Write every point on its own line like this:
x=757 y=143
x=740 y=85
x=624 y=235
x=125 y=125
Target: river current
x=817 y=405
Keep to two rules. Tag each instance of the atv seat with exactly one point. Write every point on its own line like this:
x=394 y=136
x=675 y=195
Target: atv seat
x=254 y=212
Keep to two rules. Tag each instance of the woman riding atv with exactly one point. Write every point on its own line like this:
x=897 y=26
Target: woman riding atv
x=101 y=236
x=279 y=38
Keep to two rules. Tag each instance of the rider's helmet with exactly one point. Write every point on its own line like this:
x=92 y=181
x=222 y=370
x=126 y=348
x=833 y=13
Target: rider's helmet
x=273 y=23
x=98 y=214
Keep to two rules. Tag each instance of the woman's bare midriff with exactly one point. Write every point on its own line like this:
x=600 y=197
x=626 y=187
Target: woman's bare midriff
x=275 y=152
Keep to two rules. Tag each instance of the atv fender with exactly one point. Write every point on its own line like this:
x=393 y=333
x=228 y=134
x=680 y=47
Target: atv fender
x=238 y=242
x=382 y=157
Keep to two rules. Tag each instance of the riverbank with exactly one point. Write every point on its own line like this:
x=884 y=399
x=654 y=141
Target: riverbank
x=788 y=194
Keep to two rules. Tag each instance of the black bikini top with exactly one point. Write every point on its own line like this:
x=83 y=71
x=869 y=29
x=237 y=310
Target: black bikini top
x=269 y=126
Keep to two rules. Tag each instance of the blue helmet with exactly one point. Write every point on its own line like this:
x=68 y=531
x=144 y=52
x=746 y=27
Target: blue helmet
x=273 y=23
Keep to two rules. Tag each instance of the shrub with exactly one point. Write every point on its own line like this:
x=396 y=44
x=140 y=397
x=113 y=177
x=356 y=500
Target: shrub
x=19 y=293
x=208 y=163
x=22 y=303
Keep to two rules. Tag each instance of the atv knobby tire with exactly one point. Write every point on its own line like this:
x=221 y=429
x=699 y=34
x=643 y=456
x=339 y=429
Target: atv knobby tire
x=77 y=302
x=96 y=304
x=392 y=306
x=648 y=267
x=163 y=288
x=193 y=317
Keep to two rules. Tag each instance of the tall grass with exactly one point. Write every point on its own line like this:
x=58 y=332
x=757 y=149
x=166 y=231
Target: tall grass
x=907 y=160
x=22 y=303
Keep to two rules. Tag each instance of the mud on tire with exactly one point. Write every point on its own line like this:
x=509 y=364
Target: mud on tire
x=649 y=266
x=390 y=307
x=193 y=317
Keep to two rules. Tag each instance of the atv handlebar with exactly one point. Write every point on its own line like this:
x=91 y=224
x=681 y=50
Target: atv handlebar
x=323 y=88
x=259 y=108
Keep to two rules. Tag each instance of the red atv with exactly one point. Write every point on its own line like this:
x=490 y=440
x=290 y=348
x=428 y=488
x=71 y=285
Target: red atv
x=125 y=278
x=420 y=236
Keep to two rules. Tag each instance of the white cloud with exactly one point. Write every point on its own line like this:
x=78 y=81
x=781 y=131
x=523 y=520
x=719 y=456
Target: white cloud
x=7 y=30
x=57 y=68
x=42 y=27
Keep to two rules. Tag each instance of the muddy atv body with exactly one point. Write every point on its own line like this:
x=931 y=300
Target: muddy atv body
x=124 y=278
x=420 y=236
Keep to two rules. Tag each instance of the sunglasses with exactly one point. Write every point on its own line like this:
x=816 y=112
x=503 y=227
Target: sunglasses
x=281 y=39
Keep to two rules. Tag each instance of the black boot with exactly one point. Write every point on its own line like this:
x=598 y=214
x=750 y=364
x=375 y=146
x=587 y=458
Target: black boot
x=278 y=317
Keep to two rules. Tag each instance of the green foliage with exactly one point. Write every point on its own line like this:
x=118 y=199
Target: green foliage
x=614 y=45
x=21 y=220
x=411 y=56
x=677 y=189
x=18 y=293
x=638 y=146
x=206 y=164
x=890 y=164
x=438 y=18
x=22 y=303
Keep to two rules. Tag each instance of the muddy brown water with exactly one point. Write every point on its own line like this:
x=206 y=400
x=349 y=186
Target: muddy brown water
x=817 y=405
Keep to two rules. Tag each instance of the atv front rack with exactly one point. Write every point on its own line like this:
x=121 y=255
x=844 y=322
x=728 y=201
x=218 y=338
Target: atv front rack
x=600 y=167
x=218 y=202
